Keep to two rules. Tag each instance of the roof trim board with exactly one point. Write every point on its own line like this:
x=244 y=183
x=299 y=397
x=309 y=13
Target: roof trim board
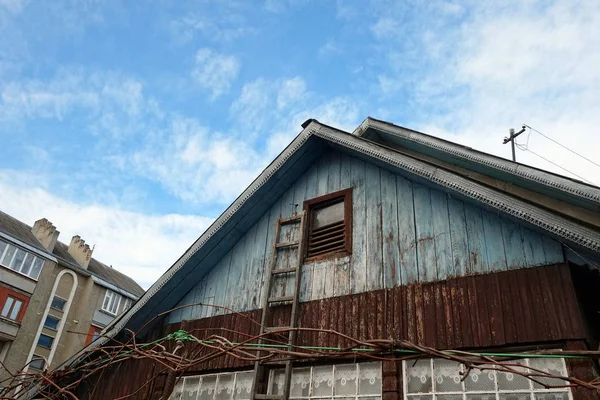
x=521 y=210
x=580 y=190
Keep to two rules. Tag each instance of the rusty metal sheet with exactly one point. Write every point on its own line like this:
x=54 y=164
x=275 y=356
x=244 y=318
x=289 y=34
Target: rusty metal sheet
x=492 y=310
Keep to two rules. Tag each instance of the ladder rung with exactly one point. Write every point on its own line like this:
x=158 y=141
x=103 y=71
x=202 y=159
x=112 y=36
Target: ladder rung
x=268 y=396
x=287 y=244
x=277 y=328
x=289 y=220
x=283 y=271
x=282 y=298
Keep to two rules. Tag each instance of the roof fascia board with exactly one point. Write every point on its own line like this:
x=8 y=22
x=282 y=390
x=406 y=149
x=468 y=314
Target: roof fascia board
x=112 y=287
x=28 y=247
x=558 y=226
x=589 y=194
x=119 y=323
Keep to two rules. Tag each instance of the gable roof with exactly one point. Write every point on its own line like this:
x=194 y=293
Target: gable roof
x=285 y=169
x=22 y=232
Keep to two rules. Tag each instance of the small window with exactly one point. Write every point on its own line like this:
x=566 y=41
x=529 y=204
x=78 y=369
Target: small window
x=58 y=303
x=38 y=363
x=45 y=341
x=93 y=334
x=111 y=302
x=11 y=308
x=440 y=378
x=127 y=305
x=51 y=322
x=329 y=222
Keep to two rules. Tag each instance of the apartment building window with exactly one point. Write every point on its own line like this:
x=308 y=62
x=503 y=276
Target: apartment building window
x=329 y=224
x=45 y=341
x=440 y=379
x=51 y=322
x=93 y=334
x=20 y=261
x=111 y=302
x=11 y=308
x=38 y=363
x=58 y=303
x=127 y=305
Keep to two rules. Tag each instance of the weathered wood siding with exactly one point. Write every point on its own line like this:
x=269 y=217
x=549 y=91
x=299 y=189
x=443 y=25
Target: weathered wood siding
x=403 y=232
x=525 y=307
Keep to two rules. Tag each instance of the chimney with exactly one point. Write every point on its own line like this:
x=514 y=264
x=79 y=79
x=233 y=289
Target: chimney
x=46 y=233
x=80 y=251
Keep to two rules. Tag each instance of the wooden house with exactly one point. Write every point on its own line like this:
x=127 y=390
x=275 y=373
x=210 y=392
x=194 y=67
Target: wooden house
x=382 y=233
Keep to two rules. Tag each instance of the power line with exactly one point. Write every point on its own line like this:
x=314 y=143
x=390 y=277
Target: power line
x=524 y=148
x=561 y=145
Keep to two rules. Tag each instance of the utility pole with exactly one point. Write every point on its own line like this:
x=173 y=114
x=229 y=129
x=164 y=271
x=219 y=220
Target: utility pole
x=512 y=138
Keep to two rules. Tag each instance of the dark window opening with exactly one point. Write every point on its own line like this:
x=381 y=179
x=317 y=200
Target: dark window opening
x=58 y=303
x=45 y=341
x=51 y=322
x=37 y=363
x=329 y=220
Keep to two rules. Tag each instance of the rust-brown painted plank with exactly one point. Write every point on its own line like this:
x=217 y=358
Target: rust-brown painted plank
x=541 y=315
x=419 y=314
x=526 y=306
x=429 y=316
x=494 y=305
x=440 y=333
x=473 y=312
x=577 y=328
x=458 y=319
x=560 y=307
x=516 y=305
x=482 y=307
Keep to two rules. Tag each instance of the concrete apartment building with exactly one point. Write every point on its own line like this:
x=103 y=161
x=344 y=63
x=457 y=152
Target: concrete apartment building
x=54 y=298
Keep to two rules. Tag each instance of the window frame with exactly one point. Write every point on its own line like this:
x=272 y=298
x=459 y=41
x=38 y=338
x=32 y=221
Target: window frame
x=117 y=304
x=316 y=203
x=36 y=358
x=51 y=341
x=55 y=308
x=30 y=267
x=58 y=319
x=496 y=392
x=93 y=334
x=5 y=293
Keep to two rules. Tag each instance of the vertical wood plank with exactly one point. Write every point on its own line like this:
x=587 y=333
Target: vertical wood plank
x=426 y=262
x=391 y=249
x=407 y=237
x=552 y=250
x=513 y=244
x=359 y=222
x=533 y=247
x=306 y=279
x=441 y=231
x=458 y=234
x=374 y=228
x=494 y=242
x=476 y=240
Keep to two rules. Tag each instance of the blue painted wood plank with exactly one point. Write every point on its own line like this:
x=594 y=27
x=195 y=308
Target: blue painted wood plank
x=391 y=247
x=533 y=247
x=553 y=250
x=310 y=192
x=343 y=268
x=513 y=244
x=426 y=258
x=494 y=241
x=476 y=240
x=441 y=231
x=238 y=271
x=359 y=222
x=374 y=228
x=407 y=237
x=458 y=235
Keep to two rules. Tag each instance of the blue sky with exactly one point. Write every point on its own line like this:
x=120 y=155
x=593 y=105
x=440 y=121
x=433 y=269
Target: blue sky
x=134 y=124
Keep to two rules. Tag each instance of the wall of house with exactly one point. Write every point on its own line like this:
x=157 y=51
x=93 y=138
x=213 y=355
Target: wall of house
x=528 y=307
x=403 y=232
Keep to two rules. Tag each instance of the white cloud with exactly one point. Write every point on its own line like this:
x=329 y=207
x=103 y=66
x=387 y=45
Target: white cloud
x=215 y=72
x=140 y=245
x=499 y=66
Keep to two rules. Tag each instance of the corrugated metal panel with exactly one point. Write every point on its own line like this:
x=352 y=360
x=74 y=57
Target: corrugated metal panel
x=403 y=232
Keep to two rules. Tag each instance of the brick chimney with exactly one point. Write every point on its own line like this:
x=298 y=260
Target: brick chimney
x=80 y=251
x=46 y=233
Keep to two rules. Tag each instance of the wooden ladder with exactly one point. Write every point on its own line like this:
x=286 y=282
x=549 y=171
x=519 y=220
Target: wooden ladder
x=261 y=368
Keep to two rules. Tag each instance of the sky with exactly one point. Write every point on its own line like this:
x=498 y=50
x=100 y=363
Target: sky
x=134 y=124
